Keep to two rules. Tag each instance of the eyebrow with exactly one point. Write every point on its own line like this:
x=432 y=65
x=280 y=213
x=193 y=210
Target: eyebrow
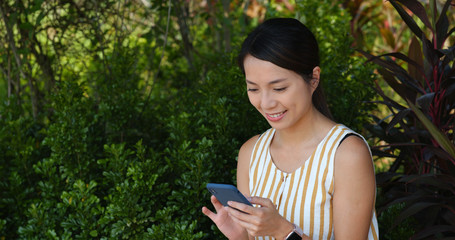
x=270 y=83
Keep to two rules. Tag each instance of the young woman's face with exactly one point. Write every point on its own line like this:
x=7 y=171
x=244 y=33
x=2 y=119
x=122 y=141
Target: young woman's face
x=280 y=95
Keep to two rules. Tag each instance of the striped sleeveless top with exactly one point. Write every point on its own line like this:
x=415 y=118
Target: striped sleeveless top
x=303 y=197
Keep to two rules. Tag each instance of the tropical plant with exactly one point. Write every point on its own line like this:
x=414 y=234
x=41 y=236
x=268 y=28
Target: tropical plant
x=418 y=132
x=376 y=27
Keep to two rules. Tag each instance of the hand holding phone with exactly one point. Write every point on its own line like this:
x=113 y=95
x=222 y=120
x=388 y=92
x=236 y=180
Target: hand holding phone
x=227 y=192
x=224 y=193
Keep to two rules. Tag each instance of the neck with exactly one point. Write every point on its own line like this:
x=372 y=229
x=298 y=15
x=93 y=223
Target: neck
x=312 y=128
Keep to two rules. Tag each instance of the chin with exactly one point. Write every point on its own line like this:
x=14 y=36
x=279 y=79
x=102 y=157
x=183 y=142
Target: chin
x=277 y=125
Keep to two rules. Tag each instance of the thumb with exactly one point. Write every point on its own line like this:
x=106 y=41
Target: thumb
x=263 y=202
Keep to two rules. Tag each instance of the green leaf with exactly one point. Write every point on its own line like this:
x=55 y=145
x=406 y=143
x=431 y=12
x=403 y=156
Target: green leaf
x=40 y=17
x=13 y=18
x=26 y=25
x=440 y=137
x=94 y=233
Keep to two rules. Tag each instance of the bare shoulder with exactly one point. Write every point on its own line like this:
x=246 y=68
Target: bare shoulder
x=247 y=147
x=354 y=170
x=353 y=150
x=245 y=153
x=243 y=165
x=353 y=161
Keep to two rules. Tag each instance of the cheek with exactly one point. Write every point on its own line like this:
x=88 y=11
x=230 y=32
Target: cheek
x=254 y=100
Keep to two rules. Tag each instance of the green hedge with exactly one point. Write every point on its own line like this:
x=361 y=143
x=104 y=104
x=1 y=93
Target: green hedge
x=77 y=178
x=106 y=160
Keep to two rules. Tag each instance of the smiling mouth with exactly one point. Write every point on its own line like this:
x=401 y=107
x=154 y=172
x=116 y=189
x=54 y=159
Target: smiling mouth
x=275 y=116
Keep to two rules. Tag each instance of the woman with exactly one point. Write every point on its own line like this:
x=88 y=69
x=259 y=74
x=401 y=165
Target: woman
x=309 y=177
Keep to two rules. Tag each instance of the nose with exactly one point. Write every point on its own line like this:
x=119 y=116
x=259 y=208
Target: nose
x=268 y=101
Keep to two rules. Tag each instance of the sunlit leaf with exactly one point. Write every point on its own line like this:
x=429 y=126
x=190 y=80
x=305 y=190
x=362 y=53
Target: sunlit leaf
x=415 y=53
x=40 y=17
x=380 y=153
x=388 y=36
x=442 y=24
x=408 y=19
x=440 y=137
x=394 y=68
x=403 y=57
x=450 y=32
x=395 y=85
x=419 y=10
x=387 y=100
x=398 y=118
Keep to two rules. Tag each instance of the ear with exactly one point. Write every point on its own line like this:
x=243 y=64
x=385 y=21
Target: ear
x=314 y=83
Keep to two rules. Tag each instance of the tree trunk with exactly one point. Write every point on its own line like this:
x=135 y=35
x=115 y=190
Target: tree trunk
x=188 y=48
x=226 y=26
x=45 y=64
x=10 y=38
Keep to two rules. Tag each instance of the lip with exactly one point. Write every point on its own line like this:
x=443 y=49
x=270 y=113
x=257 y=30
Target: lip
x=274 y=117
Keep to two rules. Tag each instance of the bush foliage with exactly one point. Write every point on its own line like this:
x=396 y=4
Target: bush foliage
x=111 y=127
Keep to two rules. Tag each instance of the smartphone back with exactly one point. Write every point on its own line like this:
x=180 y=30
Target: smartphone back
x=227 y=192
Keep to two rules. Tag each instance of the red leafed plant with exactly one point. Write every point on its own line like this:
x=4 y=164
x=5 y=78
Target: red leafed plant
x=419 y=131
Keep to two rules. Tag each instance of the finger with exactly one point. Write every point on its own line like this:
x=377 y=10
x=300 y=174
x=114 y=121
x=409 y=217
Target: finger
x=216 y=203
x=246 y=221
x=208 y=213
x=263 y=202
x=240 y=214
x=241 y=206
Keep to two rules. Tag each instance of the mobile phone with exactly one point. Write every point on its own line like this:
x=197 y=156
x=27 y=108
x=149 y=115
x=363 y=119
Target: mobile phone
x=227 y=192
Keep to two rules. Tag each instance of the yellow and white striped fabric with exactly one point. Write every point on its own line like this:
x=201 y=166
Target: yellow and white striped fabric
x=303 y=197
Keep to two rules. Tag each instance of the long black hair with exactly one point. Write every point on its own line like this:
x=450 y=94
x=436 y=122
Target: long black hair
x=289 y=44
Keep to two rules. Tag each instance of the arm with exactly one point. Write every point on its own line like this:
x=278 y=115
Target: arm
x=243 y=166
x=355 y=189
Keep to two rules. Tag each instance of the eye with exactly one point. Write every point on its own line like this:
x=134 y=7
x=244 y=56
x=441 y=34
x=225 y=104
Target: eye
x=280 y=89
x=252 y=90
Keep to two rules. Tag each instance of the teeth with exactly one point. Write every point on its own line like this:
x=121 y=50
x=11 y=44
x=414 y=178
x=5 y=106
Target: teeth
x=276 y=115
